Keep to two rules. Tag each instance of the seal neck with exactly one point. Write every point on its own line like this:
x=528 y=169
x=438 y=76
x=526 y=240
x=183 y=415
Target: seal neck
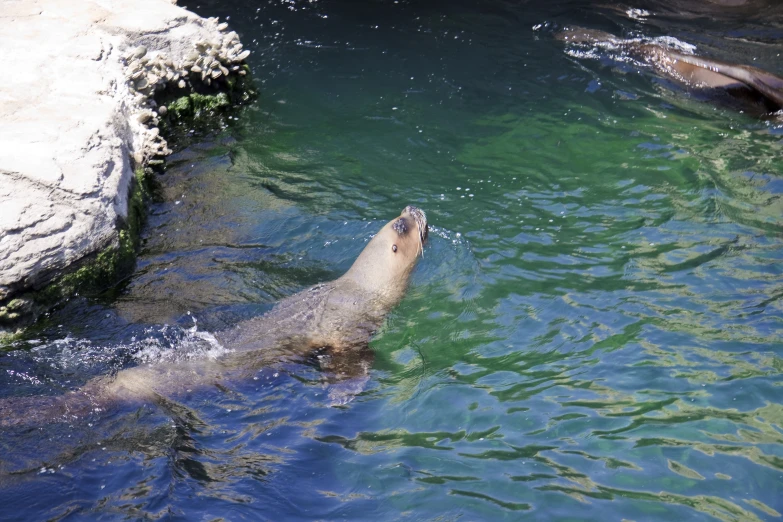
x=375 y=279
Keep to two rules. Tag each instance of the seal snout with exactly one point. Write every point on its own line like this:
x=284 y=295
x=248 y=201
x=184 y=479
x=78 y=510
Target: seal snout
x=420 y=218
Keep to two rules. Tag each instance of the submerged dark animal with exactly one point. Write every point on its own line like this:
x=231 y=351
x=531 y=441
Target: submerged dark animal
x=336 y=318
x=748 y=85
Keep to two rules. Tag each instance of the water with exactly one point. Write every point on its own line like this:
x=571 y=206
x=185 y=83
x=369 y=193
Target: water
x=594 y=332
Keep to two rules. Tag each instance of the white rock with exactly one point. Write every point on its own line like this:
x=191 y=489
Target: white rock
x=69 y=127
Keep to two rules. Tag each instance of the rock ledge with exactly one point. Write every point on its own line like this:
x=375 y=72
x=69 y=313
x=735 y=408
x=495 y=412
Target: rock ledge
x=79 y=117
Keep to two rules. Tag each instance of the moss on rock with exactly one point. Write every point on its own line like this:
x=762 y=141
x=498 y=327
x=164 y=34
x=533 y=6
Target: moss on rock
x=191 y=104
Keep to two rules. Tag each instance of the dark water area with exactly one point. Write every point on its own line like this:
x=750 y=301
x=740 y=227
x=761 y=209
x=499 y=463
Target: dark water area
x=595 y=331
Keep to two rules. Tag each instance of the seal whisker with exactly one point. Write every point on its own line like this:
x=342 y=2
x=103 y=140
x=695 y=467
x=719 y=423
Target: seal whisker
x=421 y=221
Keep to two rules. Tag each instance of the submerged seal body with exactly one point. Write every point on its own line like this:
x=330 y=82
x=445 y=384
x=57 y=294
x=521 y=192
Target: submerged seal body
x=751 y=87
x=337 y=317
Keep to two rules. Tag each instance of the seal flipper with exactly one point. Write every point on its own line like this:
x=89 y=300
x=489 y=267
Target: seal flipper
x=767 y=84
x=345 y=372
x=346 y=391
x=36 y=411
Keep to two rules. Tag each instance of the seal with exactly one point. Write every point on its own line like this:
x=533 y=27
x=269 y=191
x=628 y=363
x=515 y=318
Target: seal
x=751 y=87
x=335 y=319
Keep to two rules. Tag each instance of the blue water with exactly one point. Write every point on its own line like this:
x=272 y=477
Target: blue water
x=595 y=331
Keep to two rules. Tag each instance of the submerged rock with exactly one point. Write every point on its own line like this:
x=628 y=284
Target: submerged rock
x=78 y=120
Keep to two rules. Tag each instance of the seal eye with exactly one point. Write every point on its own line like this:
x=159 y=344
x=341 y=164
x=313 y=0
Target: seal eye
x=394 y=248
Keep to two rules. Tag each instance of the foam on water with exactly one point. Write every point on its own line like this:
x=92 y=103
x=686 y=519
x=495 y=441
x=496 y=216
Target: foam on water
x=173 y=344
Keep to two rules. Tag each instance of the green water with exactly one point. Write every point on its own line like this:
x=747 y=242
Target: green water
x=595 y=331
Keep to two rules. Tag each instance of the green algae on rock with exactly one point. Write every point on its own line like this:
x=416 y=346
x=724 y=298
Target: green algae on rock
x=186 y=108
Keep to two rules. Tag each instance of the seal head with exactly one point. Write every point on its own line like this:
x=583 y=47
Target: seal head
x=384 y=266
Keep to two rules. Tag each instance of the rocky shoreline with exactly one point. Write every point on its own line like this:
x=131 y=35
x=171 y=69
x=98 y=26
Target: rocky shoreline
x=92 y=82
